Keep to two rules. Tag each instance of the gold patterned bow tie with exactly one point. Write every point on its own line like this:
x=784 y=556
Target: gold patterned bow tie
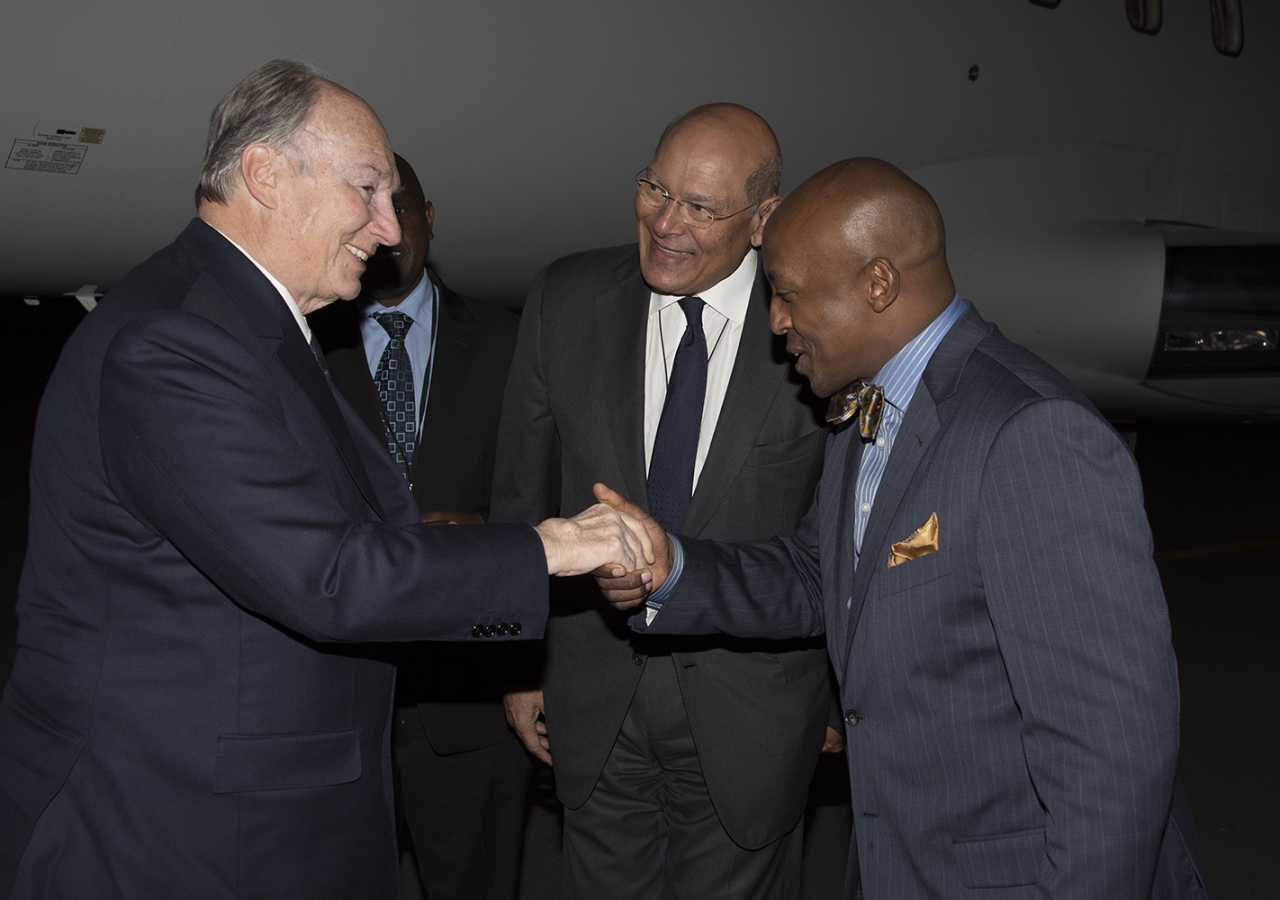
x=865 y=399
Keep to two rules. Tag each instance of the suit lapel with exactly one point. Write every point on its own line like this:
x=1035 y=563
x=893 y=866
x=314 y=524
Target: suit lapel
x=620 y=325
x=455 y=349
x=278 y=337
x=921 y=424
x=752 y=387
x=840 y=476
x=339 y=328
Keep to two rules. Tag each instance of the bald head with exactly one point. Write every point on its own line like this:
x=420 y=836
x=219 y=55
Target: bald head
x=872 y=209
x=857 y=258
x=748 y=131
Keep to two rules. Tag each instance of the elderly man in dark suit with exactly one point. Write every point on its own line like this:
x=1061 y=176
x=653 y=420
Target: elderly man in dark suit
x=200 y=702
x=979 y=559
x=683 y=766
x=461 y=772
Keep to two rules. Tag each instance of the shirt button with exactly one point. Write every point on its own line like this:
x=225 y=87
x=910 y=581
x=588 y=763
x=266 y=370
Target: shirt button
x=866 y=507
x=851 y=717
x=879 y=442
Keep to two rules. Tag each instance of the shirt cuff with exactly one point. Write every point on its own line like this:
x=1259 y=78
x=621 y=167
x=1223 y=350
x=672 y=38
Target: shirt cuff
x=659 y=597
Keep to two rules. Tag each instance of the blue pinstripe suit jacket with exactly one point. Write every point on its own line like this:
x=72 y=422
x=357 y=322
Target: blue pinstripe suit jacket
x=1013 y=696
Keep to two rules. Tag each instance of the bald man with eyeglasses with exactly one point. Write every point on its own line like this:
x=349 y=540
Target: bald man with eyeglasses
x=683 y=766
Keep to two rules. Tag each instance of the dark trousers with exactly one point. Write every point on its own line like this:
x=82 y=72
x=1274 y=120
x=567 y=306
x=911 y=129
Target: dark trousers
x=649 y=830
x=465 y=812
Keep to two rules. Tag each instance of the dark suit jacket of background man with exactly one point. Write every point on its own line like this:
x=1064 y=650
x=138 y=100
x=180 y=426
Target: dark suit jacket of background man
x=573 y=415
x=455 y=687
x=207 y=519
x=1012 y=697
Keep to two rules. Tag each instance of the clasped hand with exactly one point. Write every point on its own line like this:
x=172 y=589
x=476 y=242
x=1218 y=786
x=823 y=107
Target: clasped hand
x=600 y=539
x=625 y=590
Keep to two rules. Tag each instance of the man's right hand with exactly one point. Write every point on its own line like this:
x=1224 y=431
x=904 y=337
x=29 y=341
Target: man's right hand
x=600 y=538
x=524 y=715
x=627 y=590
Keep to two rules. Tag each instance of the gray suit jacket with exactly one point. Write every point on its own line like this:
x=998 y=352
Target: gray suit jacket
x=573 y=415
x=1012 y=698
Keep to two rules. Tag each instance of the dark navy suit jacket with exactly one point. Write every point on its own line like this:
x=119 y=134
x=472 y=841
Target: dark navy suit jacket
x=200 y=703
x=1012 y=698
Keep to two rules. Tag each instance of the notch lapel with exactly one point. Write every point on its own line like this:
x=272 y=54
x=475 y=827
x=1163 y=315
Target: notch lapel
x=454 y=351
x=924 y=418
x=278 y=338
x=618 y=368
x=753 y=385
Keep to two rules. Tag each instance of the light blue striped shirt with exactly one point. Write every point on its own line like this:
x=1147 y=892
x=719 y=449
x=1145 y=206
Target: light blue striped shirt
x=900 y=377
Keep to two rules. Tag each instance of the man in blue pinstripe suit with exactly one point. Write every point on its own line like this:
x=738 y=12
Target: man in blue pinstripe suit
x=979 y=559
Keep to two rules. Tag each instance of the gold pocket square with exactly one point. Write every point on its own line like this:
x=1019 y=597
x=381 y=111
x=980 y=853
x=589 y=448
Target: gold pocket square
x=924 y=541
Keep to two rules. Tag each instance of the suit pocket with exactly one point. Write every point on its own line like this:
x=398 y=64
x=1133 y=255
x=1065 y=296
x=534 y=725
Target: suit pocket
x=1000 y=860
x=273 y=762
x=913 y=573
x=784 y=453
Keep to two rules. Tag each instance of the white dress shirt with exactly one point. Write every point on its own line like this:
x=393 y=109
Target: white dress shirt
x=724 y=311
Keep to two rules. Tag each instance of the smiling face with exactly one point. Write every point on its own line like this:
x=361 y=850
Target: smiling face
x=706 y=161
x=336 y=209
x=822 y=309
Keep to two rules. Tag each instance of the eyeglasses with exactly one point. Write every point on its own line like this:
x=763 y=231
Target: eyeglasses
x=692 y=214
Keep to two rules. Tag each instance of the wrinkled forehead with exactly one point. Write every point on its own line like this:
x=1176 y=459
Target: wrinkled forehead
x=349 y=131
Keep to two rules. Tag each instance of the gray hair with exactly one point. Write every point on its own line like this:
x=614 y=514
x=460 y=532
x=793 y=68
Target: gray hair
x=269 y=105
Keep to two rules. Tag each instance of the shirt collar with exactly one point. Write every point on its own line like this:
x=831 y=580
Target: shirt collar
x=901 y=374
x=729 y=297
x=416 y=306
x=288 y=298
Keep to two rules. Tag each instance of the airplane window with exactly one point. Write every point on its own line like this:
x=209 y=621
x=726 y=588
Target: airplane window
x=1144 y=15
x=1228 y=26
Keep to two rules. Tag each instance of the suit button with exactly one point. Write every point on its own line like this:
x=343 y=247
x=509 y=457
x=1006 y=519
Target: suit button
x=515 y=628
x=851 y=717
x=637 y=658
x=489 y=630
x=503 y=628
x=477 y=630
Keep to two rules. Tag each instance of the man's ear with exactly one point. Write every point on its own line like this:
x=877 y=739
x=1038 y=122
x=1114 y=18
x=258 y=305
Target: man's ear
x=762 y=216
x=260 y=170
x=430 y=213
x=883 y=282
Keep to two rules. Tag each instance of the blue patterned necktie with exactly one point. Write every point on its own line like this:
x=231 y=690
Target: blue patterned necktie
x=675 y=447
x=394 y=380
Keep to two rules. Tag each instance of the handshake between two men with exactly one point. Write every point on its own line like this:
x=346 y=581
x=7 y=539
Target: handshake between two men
x=635 y=549
x=614 y=540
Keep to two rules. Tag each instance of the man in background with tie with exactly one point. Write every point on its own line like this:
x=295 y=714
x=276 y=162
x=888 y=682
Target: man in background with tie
x=683 y=766
x=425 y=368
x=979 y=559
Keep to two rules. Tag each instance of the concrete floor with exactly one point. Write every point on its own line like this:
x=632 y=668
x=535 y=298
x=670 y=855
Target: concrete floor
x=1212 y=496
